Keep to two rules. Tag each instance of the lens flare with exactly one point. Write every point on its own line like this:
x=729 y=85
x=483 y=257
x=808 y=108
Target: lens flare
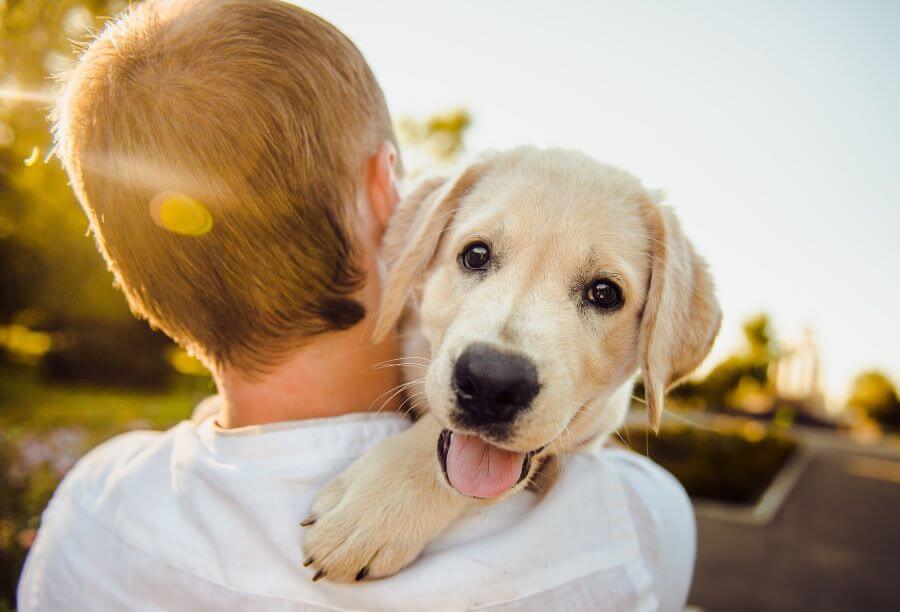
x=181 y=214
x=32 y=159
x=20 y=96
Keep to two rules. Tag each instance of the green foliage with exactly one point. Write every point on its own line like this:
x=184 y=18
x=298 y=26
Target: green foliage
x=52 y=277
x=875 y=397
x=758 y=334
x=435 y=141
x=29 y=405
x=724 y=466
x=49 y=267
x=117 y=353
x=747 y=369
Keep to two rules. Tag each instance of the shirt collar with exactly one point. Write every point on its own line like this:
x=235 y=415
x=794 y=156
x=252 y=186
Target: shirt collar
x=299 y=442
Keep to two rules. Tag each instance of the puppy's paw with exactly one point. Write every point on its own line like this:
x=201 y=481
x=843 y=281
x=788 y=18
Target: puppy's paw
x=354 y=533
x=375 y=518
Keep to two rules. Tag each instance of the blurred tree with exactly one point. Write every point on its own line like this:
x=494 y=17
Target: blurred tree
x=739 y=376
x=436 y=141
x=875 y=397
x=51 y=275
x=758 y=337
x=48 y=268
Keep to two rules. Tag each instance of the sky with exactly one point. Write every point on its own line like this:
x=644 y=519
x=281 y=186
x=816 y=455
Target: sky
x=774 y=128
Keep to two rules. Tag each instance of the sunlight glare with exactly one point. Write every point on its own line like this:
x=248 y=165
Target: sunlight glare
x=33 y=158
x=180 y=214
x=8 y=94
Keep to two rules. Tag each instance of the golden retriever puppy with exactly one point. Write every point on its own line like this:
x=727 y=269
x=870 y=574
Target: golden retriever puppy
x=530 y=289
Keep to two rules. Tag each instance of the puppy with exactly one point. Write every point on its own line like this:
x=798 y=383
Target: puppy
x=530 y=290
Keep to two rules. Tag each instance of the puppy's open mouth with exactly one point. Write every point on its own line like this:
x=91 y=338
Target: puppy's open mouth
x=478 y=468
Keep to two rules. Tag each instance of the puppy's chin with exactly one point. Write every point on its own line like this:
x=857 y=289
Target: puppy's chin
x=477 y=468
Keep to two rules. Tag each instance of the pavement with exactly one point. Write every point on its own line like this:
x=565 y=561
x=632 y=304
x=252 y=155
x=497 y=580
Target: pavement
x=833 y=545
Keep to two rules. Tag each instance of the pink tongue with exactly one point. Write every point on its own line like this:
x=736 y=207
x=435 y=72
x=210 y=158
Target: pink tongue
x=479 y=469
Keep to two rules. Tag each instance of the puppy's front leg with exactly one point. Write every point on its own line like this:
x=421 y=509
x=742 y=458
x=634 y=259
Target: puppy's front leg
x=377 y=516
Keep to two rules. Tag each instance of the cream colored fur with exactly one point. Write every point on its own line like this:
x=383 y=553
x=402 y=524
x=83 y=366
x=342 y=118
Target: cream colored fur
x=555 y=220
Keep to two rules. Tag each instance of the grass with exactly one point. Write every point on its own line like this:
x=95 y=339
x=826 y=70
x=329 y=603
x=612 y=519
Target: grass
x=44 y=427
x=30 y=406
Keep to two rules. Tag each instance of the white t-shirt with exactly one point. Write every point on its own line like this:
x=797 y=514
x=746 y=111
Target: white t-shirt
x=201 y=518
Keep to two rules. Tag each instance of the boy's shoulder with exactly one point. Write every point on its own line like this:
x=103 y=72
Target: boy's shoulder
x=79 y=523
x=161 y=505
x=114 y=462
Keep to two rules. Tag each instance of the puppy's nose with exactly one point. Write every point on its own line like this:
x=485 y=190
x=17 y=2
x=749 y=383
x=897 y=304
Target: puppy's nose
x=492 y=386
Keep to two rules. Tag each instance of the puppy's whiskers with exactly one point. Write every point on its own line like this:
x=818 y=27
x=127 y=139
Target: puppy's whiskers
x=690 y=422
x=401 y=365
x=401 y=361
x=397 y=389
x=402 y=389
x=412 y=399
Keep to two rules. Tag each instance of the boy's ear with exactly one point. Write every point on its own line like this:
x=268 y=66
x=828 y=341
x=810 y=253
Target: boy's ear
x=681 y=317
x=383 y=183
x=413 y=236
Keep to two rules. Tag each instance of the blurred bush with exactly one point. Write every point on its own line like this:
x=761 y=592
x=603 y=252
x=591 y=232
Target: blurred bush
x=874 y=397
x=435 y=141
x=121 y=353
x=732 y=466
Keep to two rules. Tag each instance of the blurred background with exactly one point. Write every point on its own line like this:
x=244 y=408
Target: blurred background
x=772 y=127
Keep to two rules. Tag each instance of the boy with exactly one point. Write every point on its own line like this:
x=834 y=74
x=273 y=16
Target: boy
x=238 y=167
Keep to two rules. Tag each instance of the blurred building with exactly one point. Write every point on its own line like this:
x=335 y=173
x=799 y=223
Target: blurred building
x=796 y=376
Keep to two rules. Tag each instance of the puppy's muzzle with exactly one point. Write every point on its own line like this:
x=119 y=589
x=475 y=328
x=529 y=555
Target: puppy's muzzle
x=491 y=386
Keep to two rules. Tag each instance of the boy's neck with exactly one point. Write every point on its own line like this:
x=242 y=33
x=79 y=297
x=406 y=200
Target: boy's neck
x=336 y=374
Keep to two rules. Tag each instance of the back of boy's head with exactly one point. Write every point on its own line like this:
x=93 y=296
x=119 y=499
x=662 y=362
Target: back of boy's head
x=217 y=147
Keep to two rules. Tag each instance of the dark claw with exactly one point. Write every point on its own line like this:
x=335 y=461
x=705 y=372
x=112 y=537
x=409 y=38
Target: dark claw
x=319 y=575
x=362 y=573
x=307 y=521
x=308 y=562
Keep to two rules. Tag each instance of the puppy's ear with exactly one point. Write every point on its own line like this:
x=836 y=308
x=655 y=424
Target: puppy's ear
x=412 y=239
x=681 y=317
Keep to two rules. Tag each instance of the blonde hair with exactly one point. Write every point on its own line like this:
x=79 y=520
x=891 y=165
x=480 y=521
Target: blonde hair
x=217 y=148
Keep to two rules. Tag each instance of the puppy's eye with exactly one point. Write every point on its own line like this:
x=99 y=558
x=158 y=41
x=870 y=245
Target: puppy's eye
x=603 y=294
x=476 y=256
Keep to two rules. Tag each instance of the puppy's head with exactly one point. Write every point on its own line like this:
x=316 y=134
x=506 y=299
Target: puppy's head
x=544 y=280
